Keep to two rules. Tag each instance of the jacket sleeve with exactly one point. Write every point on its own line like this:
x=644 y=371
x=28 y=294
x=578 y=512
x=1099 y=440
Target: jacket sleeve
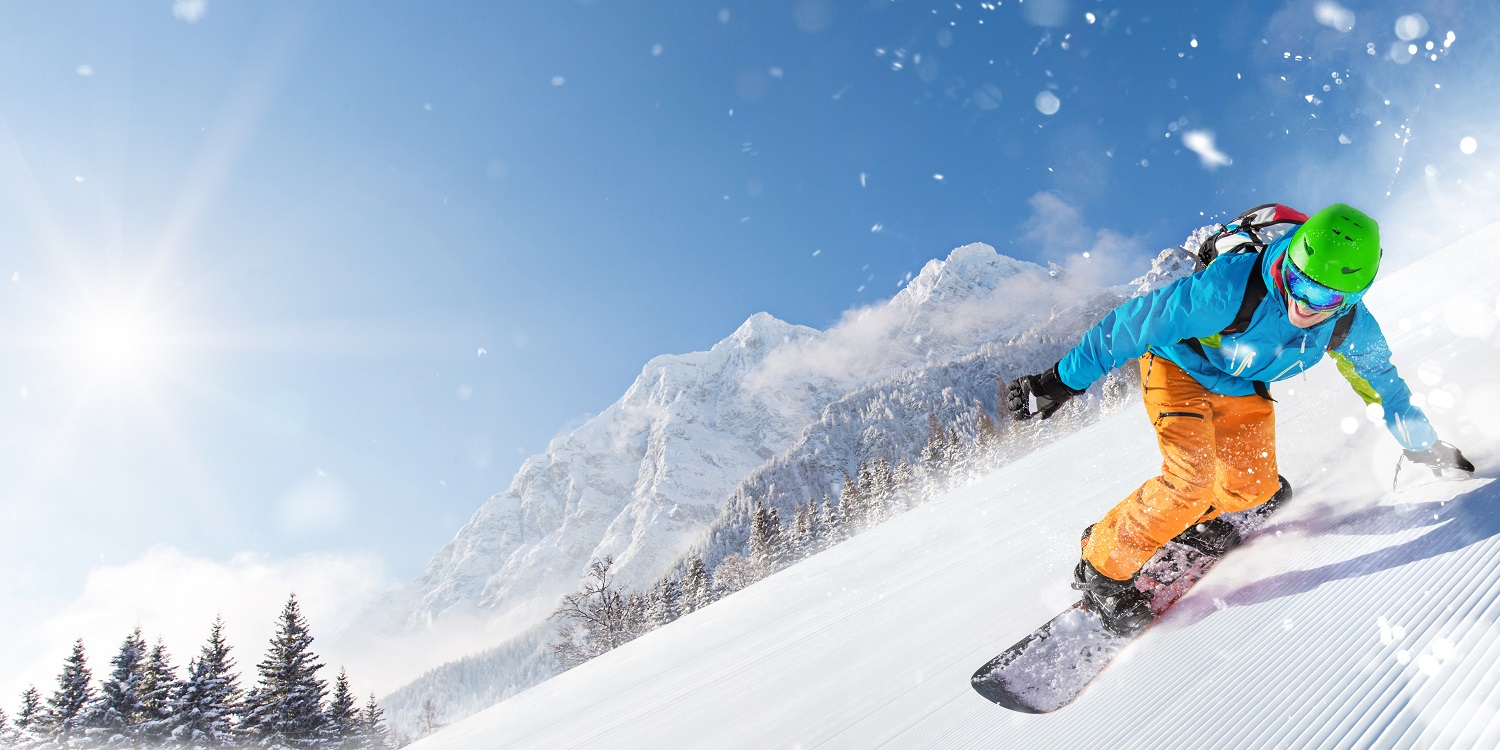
x=1365 y=359
x=1192 y=307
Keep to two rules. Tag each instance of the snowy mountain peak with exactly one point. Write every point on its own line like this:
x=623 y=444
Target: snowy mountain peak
x=972 y=268
x=763 y=330
x=637 y=482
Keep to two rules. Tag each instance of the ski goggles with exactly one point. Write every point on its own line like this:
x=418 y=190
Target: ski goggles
x=1311 y=294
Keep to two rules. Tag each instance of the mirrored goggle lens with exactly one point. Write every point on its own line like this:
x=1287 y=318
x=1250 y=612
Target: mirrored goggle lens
x=1310 y=293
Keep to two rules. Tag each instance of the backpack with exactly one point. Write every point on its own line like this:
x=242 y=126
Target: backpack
x=1251 y=232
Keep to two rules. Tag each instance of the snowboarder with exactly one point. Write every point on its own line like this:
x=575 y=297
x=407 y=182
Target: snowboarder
x=1205 y=359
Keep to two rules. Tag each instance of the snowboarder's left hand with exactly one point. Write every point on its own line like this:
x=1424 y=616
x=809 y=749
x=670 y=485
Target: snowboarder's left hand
x=1037 y=395
x=1441 y=456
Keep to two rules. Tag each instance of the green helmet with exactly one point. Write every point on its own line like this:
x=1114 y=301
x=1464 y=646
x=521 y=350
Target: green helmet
x=1338 y=247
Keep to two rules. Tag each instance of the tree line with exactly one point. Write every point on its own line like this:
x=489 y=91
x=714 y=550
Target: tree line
x=602 y=615
x=144 y=703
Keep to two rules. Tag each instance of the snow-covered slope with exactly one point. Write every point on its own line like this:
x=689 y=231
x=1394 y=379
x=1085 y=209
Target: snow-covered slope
x=1360 y=618
x=643 y=480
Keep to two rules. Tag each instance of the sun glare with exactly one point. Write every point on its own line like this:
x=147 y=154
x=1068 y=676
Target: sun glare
x=115 y=342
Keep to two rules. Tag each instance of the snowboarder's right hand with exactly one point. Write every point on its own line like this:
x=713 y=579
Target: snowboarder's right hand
x=1037 y=395
x=1441 y=456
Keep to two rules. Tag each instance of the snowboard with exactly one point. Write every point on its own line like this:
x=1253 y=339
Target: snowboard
x=1050 y=667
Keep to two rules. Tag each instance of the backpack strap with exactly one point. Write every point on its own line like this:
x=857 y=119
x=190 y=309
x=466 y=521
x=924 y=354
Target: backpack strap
x=1341 y=330
x=1255 y=292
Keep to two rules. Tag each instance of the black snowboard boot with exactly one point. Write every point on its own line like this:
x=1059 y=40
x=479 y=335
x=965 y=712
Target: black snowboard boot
x=1283 y=494
x=1125 y=610
x=1210 y=537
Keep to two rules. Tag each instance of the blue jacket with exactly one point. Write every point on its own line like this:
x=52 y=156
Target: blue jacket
x=1269 y=349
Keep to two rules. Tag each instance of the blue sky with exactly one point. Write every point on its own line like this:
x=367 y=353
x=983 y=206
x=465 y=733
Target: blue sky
x=288 y=279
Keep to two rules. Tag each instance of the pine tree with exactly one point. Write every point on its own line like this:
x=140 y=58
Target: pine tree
x=343 y=716
x=959 y=461
x=30 y=721
x=765 y=542
x=665 y=605
x=776 y=556
x=870 y=500
x=8 y=734
x=903 y=485
x=159 y=689
x=69 y=710
x=207 y=705
x=851 y=506
x=880 y=493
x=831 y=518
x=697 y=588
x=287 y=708
x=932 y=451
x=374 y=735
x=801 y=543
x=119 y=711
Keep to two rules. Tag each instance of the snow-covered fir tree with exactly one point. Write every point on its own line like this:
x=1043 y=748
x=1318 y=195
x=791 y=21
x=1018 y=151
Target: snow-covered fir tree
x=697 y=586
x=831 y=519
x=903 y=483
x=801 y=542
x=206 y=709
x=8 y=733
x=664 y=604
x=766 y=545
x=286 y=710
x=373 y=732
x=118 y=714
x=159 y=689
x=852 y=506
x=343 y=726
x=29 y=720
x=70 y=708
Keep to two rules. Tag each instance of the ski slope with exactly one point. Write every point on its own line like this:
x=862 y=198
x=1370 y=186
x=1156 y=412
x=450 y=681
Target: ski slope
x=1359 y=618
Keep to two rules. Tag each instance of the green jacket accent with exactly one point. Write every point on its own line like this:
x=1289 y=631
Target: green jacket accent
x=1361 y=386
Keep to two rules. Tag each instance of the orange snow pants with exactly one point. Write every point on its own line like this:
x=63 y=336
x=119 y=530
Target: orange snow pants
x=1218 y=456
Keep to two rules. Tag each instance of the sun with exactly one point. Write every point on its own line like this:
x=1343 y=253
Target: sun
x=118 y=342
x=112 y=342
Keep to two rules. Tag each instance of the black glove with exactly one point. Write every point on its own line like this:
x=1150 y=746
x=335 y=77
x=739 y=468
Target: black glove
x=1037 y=395
x=1441 y=456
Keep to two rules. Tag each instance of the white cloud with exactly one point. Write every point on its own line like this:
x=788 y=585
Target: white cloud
x=1097 y=256
x=1201 y=142
x=189 y=10
x=175 y=596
